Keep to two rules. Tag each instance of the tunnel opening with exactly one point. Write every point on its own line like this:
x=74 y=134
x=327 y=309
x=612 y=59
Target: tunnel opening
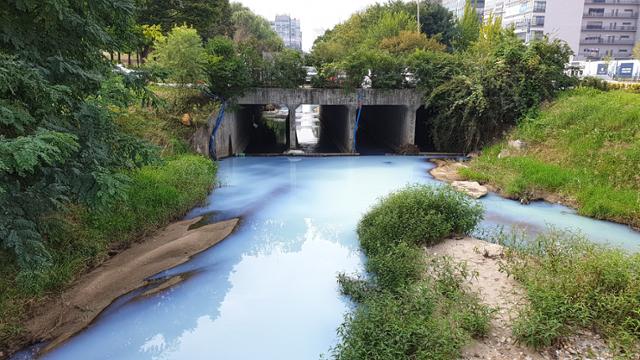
x=311 y=135
x=424 y=141
x=335 y=128
x=268 y=129
x=382 y=129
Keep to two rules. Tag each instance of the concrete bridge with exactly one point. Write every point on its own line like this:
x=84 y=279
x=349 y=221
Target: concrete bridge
x=389 y=114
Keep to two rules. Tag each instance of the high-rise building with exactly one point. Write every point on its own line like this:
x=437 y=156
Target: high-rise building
x=592 y=28
x=289 y=30
x=457 y=6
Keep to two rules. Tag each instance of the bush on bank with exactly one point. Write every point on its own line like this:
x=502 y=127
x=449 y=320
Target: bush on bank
x=585 y=147
x=571 y=284
x=80 y=238
x=413 y=307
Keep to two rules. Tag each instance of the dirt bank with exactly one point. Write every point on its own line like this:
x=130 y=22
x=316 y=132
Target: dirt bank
x=447 y=171
x=77 y=307
x=505 y=295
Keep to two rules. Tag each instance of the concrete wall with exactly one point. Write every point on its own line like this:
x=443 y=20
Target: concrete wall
x=396 y=120
x=234 y=133
x=331 y=96
x=337 y=122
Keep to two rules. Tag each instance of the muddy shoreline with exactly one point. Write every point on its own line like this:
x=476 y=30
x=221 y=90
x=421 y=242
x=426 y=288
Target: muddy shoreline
x=60 y=318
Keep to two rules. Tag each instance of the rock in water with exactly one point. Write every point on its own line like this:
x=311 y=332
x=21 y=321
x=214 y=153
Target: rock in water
x=471 y=188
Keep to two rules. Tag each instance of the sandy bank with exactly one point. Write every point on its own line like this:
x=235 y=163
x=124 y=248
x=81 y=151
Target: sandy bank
x=504 y=294
x=62 y=317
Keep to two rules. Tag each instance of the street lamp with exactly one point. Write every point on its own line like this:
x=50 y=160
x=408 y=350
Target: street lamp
x=418 y=12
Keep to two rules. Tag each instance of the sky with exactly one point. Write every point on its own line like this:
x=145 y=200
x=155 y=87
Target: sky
x=315 y=16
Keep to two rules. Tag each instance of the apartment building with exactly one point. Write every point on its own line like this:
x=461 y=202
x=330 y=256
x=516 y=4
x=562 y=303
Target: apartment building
x=289 y=31
x=609 y=28
x=593 y=28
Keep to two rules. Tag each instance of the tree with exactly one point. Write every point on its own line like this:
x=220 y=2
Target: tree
x=636 y=51
x=468 y=28
x=208 y=17
x=254 y=29
x=57 y=142
x=287 y=70
x=227 y=73
x=181 y=54
x=409 y=41
x=435 y=20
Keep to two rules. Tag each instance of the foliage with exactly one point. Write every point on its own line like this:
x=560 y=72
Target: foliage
x=58 y=142
x=383 y=69
x=209 y=17
x=286 y=70
x=502 y=79
x=418 y=215
x=80 y=237
x=468 y=28
x=415 y=307
x=225 y=69
x=181 y=54
x=573 y=283
x=379 y=39
x=636 y=51
x=253 y=28
x=409 y=41
x=64 y=39
x=583 y=147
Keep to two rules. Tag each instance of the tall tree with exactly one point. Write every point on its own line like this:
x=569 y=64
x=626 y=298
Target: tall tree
x=208 y=17
x=468 y=28
x=181 y=54
x=254 y=29
x=57 y=143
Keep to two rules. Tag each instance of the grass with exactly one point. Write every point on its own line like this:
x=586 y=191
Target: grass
x=571 y=284
x=413 y=306
x=585 y=148
x=79 y=239
x=163 y=126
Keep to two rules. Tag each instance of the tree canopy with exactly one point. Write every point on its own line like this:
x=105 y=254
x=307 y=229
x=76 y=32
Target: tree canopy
x=58 y=142
x=208 y=17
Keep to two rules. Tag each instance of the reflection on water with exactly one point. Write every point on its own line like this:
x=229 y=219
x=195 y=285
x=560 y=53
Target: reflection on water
x=269 y=291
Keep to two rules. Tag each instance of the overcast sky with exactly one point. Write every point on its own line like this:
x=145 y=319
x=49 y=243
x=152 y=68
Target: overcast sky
x=315 y=16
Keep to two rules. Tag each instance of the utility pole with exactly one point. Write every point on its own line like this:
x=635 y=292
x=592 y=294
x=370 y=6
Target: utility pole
x=418 y=7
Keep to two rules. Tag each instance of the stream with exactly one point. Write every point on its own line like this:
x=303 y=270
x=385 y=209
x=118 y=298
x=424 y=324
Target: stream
x=269 y=291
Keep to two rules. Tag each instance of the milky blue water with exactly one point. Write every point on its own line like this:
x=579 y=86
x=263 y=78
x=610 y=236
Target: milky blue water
x=269 y=291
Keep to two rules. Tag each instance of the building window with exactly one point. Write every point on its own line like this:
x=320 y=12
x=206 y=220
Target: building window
x=596 y=12
x=540 y=6
x=538 y=21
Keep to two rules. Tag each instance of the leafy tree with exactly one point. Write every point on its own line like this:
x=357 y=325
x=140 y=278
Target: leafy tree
x=409 y=41
x=226 y=71
x=636 y=51
x=501 y=80
x=384 y=70
x=181 y=54
x=468 y=28
x=208 y=17
x=435 y=20
x=58 y=143
x=254 y=29
x=287 y=69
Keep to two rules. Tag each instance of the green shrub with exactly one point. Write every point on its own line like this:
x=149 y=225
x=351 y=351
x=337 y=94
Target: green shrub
x=418 y=215
x=412 y=307
x=397 y=266
x=572 y=283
